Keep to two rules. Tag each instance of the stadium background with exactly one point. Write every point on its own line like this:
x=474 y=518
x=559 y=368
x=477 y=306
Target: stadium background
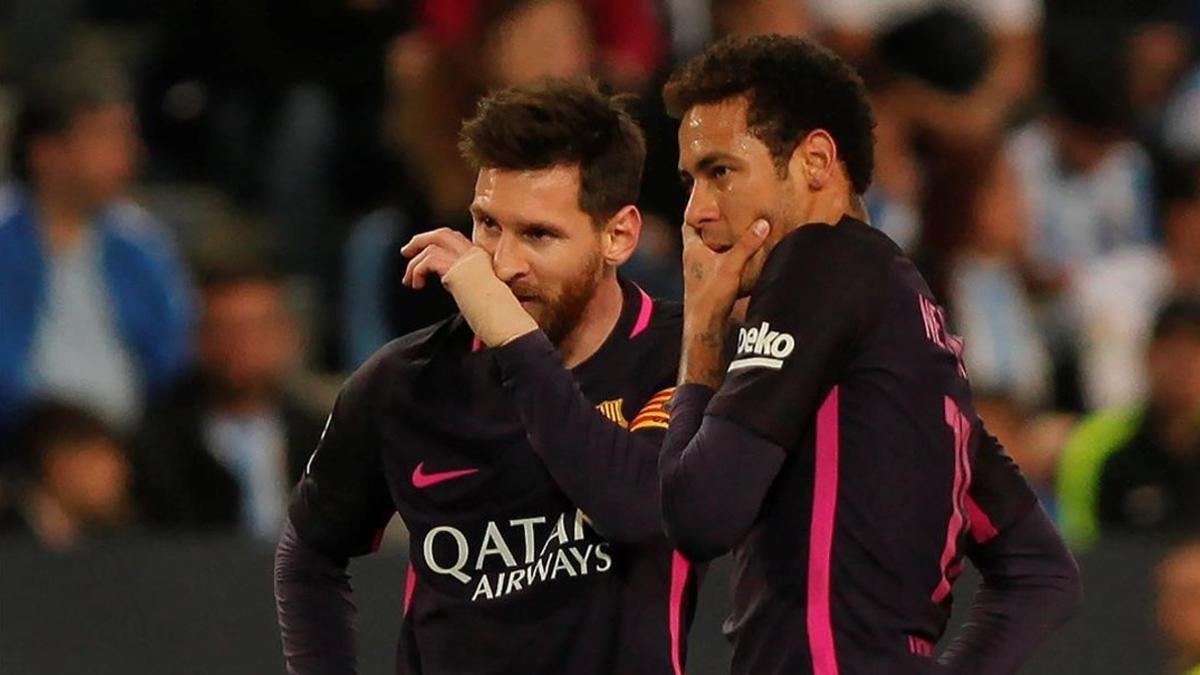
x=1038 y=159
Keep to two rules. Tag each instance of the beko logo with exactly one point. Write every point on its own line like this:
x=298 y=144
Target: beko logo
x=761 y=346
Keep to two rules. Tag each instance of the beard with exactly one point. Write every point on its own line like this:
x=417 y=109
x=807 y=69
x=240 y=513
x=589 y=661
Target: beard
x=559 y=314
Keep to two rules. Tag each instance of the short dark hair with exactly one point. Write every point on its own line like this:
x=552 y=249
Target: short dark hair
x=46 y=424
x=1087 y=76
x=794 y=86
x=50 y=104
x=561 y=122
x=218 y=275
x=946 y=48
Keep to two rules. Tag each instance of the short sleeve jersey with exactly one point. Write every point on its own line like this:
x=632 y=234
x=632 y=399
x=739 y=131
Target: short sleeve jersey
x=507 y=575
x=845 y=361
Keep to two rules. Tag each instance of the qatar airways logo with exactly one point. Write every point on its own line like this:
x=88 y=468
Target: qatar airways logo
x=532 y=550
x=760 y=346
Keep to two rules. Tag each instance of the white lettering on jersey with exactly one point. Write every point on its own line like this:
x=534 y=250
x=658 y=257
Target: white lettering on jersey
x=569 y=547
x=464 y=553
x=762 y=347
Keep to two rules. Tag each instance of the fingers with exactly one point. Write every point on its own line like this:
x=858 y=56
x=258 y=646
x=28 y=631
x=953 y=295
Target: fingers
x=749 y=243
x=444 y=237
x=695 y=251
x=430 y=260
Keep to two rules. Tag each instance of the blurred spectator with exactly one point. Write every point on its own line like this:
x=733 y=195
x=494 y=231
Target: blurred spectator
x=224 y=449
x=1116 y=296
x=976 y=227
x=1032 y=442
x=1090 y=186
x=851 y=27
x=517 y=41
x=1138 y=469
x=73 y=476
x=96 y=306
x=627 y=36
x=1179 y=607
x=1155 y=39
x=924 y=70
x=1159 y=51
x=1181 y=120
x=511 y=42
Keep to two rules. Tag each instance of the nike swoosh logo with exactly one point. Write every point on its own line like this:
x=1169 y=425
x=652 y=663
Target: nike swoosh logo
x=420 y=479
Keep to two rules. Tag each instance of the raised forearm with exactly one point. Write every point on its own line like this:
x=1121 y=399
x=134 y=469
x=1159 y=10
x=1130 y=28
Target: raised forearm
x=609 y=472
x=713 y=477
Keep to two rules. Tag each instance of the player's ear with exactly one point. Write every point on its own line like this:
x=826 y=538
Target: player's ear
x=620 y=235
x=814 y=162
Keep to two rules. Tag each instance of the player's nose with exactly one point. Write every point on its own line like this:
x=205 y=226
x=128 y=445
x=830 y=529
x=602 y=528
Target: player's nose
x=507 y=259
x=701 y=207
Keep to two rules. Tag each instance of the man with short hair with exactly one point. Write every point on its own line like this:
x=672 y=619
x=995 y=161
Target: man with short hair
x=97 y=306
x=71 y=479
x=838 y=453
x=518 y=440
x=222 y=450
x=1136 y=468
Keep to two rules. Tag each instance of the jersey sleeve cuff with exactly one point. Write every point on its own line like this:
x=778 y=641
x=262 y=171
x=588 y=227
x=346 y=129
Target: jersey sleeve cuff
x=528 y=349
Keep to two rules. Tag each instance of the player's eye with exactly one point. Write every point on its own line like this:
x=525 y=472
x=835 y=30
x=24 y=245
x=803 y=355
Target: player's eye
x=719 y=171
x=538 y=234
x=686 y=181
x=488 y=223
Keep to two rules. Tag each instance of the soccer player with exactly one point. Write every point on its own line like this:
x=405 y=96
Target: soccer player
x=837 y=453
x=518 y=440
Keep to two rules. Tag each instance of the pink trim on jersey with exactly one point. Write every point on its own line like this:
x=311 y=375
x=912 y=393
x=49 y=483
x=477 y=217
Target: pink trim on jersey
x=476 y=344
x=958 y=508
x=820 y=540
x=681 y=569
x=920 y=646
x=925 y=317
x=643 y=318
x=982 y=528
x=410 y=584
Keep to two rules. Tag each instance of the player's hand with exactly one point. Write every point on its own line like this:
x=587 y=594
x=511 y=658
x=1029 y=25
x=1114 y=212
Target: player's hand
x=486 y=302
x=433 y=252
x=711 y=278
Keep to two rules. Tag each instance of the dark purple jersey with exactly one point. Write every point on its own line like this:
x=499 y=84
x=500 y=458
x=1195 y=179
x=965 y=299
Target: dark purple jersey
x=887 y=476
x=529 y=492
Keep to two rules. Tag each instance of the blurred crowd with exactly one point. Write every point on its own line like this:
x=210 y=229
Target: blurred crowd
x=204 y=204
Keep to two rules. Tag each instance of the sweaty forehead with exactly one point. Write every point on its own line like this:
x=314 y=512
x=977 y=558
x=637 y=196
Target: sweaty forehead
x=714 y=127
